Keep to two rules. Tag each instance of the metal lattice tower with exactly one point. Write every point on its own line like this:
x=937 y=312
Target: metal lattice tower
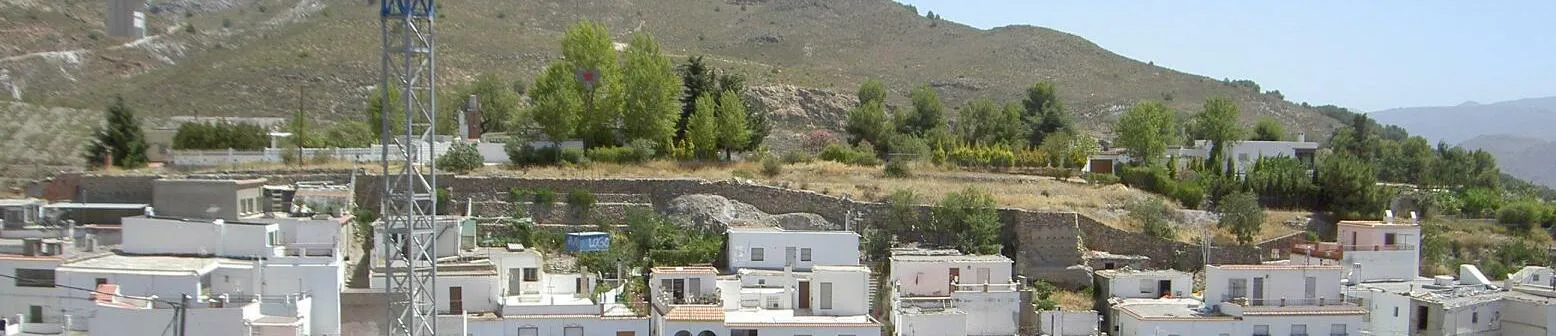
x=409 y=198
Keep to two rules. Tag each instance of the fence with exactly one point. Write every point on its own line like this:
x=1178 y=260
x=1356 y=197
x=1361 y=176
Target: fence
x=211 y=158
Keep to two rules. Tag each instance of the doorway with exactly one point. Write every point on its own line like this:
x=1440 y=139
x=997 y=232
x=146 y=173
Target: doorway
x=456 y=300
x=1257 y=297
x=955 y=274
x=1163 y=288
x=804 y=295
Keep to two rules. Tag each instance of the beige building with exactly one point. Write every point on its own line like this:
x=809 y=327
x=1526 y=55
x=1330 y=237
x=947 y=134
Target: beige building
x=208 y=199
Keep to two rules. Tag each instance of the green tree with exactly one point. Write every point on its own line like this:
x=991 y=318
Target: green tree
x=499 y=102
x=971 y=217
x=1347 y=186
x=349 y=134
x=871 y=91
x=928 y=113
x=698 y=79
x=1043 y=113
x=1145 y=130
x=1240 y=213
x=975 y=122
x=1268 y=130
x=1217 y=123
x=733 y=134
x=220 y=135
x=1154 y=217
x=120 y=138
x=867 y=123
x=1281 y=181
x=460 y=158
x=557 y=103
x=1069 y=149
x=702 y=131
x=650 y=105
x=587 y=46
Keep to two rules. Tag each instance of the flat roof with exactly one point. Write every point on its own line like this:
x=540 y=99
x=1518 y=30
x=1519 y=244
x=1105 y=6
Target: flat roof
x=97 y=206
x=841 y=268
x=774 y=229
x=16 y=202
x=1328 y=309
x=1124 y=272
x=1396 y=224
x=1276 y=267
x=211 y=180
x=788 y=318
x=115 y=263
x=685 y=270
x=1169 y=309
x=951 y=258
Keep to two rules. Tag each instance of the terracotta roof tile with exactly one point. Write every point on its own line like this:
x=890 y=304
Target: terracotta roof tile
x=695 y=313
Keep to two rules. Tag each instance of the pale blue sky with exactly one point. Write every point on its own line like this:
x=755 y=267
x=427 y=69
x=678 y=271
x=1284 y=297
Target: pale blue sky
x=1365 y=55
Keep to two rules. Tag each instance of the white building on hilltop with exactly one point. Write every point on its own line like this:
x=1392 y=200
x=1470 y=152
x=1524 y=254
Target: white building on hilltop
x=775 y=248
x=942 y=292
x=1269 y=299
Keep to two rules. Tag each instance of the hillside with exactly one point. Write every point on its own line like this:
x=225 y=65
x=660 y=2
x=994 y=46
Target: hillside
x=1525 y=157
x=1454 y=124
x=253 y=57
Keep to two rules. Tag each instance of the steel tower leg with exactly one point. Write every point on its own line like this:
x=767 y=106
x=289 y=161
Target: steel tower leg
x=407 y=133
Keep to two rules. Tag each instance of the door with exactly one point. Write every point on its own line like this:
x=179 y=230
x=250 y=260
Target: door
x=456 y=299
x=678 y=290
x=983 y=275
x=790 y=256
x=955 y=274
x=1310 y=289
x=694 y=287
x=1257 y=297
x=1353 y=238
x=804 y=295
x=1099 y=166
x=35 y=314
x=1163 y=288
x=1421 y=314
x=578 y=286
x=1388 y=239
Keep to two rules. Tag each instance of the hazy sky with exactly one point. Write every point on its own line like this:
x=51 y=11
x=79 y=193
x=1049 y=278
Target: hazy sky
x=1366 y=55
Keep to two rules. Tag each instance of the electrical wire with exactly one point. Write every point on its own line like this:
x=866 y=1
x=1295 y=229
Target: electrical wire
x=171 y=322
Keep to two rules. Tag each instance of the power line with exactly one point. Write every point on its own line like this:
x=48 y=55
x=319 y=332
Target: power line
x=178 y=315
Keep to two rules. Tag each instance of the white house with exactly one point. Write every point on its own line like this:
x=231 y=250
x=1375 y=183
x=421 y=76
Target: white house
x=1143 y=284
x=942 y=292
x=774 y=248
x=1266 y=299
x=1524 y=304
x=1245 y=153
x=828 y=300
x=1387 y=250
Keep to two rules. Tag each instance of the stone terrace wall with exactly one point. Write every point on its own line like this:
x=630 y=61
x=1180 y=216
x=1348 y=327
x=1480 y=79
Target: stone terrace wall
x=1172 y=254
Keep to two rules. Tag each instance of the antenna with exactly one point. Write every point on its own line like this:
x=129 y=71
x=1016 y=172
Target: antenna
x=408 y=202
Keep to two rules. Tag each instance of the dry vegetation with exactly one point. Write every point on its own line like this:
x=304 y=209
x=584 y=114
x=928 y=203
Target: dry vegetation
x=36 y=141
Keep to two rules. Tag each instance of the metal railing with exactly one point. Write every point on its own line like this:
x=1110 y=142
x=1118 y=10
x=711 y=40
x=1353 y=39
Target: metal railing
x=1282 y=302
x=1006 y=287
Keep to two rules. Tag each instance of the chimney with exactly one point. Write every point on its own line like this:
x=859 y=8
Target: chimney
x=30 y=246
x=1388 y=216
x=1301 y=136
x=472 y=116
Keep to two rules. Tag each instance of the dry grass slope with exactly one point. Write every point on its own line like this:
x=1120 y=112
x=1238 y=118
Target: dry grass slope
x=825 y=44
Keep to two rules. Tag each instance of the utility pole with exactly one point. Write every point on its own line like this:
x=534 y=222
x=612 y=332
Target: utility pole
x=298 y=122
x=182 y=313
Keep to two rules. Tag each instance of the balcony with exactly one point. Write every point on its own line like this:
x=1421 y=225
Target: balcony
x=987 y=288
x=310 y=250
x=1335 y=251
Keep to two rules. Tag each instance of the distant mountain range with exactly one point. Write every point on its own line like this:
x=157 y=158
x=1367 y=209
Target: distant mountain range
x=1519 y=133
x=1531 y=117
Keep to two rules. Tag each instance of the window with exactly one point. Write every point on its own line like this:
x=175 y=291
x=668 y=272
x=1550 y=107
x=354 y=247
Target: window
x=1474 y=317
x=572 y=331
x=757 y=254
x=1242 y=157
x=683 y=333
x=1396 y=311
x=743 y=332
x=1311 y=289
x=274 y=238
x=1147 y=286
x=34 y=278
x=1261 y=330
x=34 y=314
x=805 y=256
x=531 y=274
x=826 y=295
x=1237 y=288
x=1299 y=330
x=1337 y=329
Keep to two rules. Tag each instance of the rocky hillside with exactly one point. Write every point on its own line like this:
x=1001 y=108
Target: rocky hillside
x=805 y=57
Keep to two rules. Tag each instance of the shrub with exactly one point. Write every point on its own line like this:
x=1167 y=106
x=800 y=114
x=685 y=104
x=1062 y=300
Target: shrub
x=1522 y=215
x=520 y=195
x=523 y=154
x=816 y=140
x=898 y=168
x=545 y=196
x=861 y=155
x=1055 y=172
x=574 y=156
x=1031 y=158
x=580 y=199
x=1153 y=216
x=771 y=167
x=794 y=157
x=1480 y=202
x=461 y=158
x=909 y=147
x=1095 y=178
x=1149 y=178
x=1189 y=194
x=612 y=155
x=643 y=149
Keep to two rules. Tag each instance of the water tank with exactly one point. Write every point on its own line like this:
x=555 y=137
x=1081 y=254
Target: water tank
x=1442 y=280
x=588 y=242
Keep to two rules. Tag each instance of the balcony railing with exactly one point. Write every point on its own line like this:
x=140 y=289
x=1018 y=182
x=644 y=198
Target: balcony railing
x=1005 y=287
x=1282 y=302
x=1333 y=250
